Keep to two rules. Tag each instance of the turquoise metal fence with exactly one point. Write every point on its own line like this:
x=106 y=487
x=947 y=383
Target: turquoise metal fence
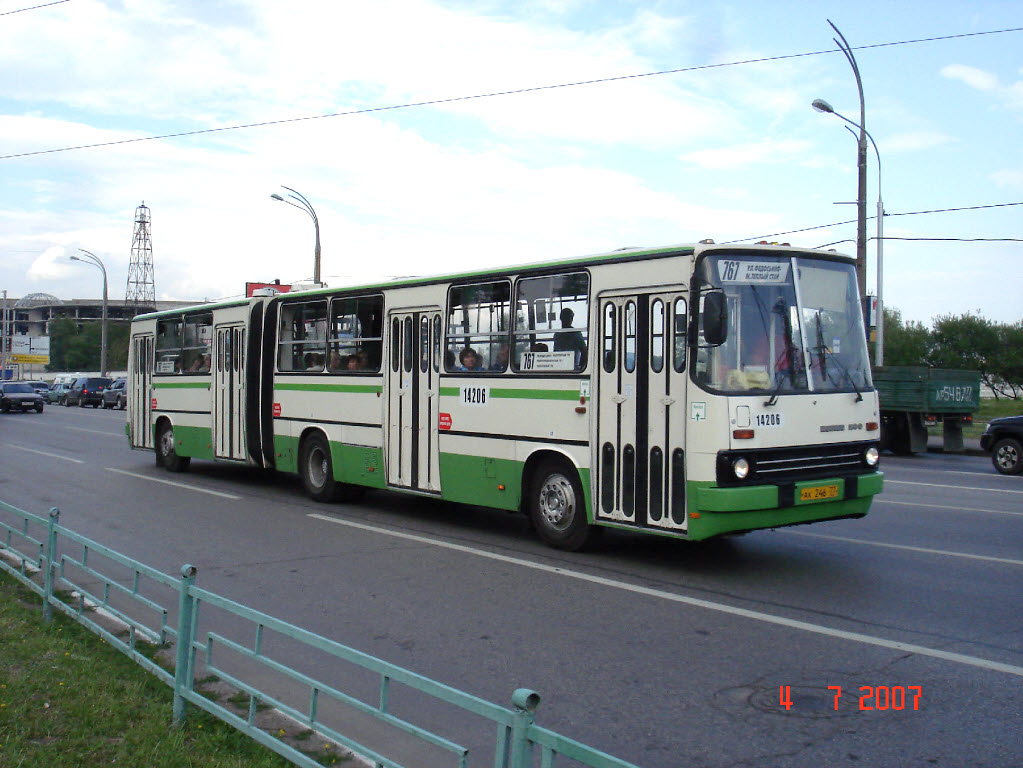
x=261 y=648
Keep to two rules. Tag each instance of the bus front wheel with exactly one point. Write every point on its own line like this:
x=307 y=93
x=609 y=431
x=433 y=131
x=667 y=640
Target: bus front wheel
x=317 y=469
x=557 y=508
x=166 y=456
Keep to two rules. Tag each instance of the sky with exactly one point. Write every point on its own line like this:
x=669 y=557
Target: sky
x=694 y=121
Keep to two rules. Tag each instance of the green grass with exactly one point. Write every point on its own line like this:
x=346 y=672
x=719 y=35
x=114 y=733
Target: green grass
x=991 y=409
x=68 y=698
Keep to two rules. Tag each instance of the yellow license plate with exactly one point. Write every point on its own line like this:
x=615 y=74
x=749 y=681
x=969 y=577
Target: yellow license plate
x=818 y=493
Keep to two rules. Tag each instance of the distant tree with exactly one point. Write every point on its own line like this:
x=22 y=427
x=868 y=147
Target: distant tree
x=1009 y=370
x=74 y=349
x=904 y=343
x=967 y=342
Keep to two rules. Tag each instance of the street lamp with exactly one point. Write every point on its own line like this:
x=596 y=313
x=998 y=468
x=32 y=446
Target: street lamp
x=305 y=205
x=94 y=260
x=822 y=106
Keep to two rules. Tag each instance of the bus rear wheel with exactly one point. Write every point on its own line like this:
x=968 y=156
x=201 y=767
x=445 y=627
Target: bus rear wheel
x=557 y=508
x=166 y=455
x=317 y=470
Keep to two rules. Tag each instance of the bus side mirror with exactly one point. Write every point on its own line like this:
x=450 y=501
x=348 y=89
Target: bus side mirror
x=715 y=318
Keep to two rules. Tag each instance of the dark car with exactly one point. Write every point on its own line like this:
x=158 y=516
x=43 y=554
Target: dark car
x=116 y=395
x=19 y=396
x=87 y=390
x=1004 y=439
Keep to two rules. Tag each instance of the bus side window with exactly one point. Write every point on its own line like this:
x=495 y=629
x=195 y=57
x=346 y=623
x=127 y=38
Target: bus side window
x=552 y=319
x=302 y=343
x=476 y=334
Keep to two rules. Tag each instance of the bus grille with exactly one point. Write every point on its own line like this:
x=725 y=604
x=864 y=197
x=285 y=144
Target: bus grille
x=778 y=465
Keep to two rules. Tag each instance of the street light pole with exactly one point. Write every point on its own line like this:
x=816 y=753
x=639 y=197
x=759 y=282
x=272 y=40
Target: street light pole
x=305 y=205
x=822 y=106
x=94 y=260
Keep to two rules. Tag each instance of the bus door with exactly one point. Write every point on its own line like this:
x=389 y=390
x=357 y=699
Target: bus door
x=413 y=459
x=140 y=392
x=228 y=385
x=641 y=423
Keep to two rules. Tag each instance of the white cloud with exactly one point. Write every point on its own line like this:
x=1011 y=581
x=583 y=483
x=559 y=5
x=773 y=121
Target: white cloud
x=973 y=77
x=758 y=153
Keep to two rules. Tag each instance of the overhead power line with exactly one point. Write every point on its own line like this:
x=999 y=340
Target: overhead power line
x=887 y=215
x=34 y=7
x=494 y=94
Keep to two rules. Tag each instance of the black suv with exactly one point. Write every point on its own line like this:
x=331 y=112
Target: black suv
x=19 y=396
x=1004 y=439
x=87 y=390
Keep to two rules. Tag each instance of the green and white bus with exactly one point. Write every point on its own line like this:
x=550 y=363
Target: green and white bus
x=689 y=391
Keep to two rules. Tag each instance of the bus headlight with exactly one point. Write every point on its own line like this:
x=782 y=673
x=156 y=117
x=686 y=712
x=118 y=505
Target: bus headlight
x=871 y=456
x=741 y=468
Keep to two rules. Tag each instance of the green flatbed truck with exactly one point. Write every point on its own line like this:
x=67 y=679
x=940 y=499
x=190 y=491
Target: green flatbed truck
x=915 y=398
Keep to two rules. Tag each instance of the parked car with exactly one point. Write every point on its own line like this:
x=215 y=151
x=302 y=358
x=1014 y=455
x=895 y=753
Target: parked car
x=41 y=387
x=19 y=396
x=1003 y=438
x=57 y=393
x=116 y=395
x=87 y=390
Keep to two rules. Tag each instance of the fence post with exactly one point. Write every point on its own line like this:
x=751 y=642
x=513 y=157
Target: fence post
x=51 y=553
x=525 y=702
x=182 y=672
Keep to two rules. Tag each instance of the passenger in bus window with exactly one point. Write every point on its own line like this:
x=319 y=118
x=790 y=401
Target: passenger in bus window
x=353 y=363
x=470 y=361
x=335 y=360
x=570 y=340
x=313 y=362
x=500 y=361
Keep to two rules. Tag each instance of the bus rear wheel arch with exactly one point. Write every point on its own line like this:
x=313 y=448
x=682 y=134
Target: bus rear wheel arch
x=166 y=453
x=557 y=506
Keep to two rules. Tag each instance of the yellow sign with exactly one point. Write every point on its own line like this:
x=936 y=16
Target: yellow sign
x=30 y=359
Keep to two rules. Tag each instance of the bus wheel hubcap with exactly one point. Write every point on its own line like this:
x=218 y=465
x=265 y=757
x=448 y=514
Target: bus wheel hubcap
x=167 y=442
x=557 y=501
x=318 y=467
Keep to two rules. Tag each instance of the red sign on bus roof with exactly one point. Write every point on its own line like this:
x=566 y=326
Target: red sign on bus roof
x=251 y=288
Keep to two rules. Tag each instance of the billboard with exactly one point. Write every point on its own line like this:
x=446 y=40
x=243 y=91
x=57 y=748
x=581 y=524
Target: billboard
x=265 y=289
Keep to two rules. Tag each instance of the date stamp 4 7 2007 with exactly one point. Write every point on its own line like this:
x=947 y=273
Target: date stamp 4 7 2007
x=880 y=697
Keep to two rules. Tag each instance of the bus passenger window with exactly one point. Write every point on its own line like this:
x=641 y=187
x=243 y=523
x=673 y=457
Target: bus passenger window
x=356 y=334
x=476 y=337
x=552 y=318
x=302 y=343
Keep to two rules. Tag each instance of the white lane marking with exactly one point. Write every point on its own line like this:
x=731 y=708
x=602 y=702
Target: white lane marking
x=957 y=487
x=924 y=550
x=96 y=431
x=176 y=485
x=880 y=500
x=768 y=618
x=44 y=453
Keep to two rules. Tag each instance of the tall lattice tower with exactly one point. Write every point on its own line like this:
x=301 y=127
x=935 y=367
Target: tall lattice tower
x=141 y=290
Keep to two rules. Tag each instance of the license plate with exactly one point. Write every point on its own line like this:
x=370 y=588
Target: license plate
x=818 y=493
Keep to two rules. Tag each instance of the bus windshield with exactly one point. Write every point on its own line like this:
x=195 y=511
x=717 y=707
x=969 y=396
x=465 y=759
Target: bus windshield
x=794 y=325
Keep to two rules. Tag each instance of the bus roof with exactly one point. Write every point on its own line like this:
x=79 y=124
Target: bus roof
x=610 y=257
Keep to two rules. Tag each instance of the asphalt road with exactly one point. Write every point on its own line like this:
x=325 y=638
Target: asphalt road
x=660 y=652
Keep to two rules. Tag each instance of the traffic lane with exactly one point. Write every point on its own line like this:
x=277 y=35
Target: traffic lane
x=329 y=586
x=805 y=578
x=651 y=671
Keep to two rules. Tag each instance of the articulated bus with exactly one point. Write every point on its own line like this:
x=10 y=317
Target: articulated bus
x=689 y=391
